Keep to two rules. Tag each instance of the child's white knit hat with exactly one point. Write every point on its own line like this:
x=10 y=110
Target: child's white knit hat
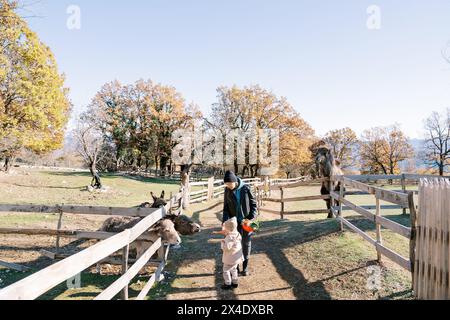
x=231 y=225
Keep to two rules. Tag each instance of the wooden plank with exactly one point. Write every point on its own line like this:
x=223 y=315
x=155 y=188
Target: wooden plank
x=409 y=176
x=382 y=194
x=270 y=211
x=404 y=189
x=149 y=285
x=359 y=185
x=392 y=197
x=378 y=229
x=125 y=254
x=357 y=230
x=91 y=235
x=309 y=198
x=401 y=261
x=395 y=257
x=386 y=223
x=199 y=199
x=297 y=184
x=318 y=211
x=394 y=226
x=87 y=210
x=13 y=266
x=373 y=177
x=341 y=196
x=125 y=279
x=37 y=284
x=43 y=232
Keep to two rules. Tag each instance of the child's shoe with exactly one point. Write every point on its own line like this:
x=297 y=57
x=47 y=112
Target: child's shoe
x=235 y=285
x=227 y=287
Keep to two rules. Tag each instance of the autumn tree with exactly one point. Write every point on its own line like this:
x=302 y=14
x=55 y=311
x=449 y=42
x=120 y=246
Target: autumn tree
x=383 y=148
x=34 y=107
x=343 y=143
x=437 y=142
x=251 y=108
x=139 y=119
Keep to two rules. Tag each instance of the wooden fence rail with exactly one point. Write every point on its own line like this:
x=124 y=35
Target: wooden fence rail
x=42 y=281
x=402 y=199
x=377 y=218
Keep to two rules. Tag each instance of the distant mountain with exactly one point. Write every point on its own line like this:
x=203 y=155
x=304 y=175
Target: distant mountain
x=418 y=145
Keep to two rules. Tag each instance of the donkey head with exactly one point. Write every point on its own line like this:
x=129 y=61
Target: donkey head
x=184 y=225
x=158 y=202
x=165 y=229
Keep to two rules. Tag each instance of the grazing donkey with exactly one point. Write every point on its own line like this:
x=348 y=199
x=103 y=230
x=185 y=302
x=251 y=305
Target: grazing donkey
x=328 y=167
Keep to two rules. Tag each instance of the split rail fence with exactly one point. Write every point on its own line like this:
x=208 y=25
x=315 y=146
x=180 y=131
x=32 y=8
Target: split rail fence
x=360 y=185
x=42 y=281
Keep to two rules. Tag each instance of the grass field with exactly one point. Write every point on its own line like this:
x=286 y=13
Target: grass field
x=304 y=257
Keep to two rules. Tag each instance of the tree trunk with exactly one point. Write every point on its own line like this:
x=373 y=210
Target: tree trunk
x=9 y=162
x=96 y=181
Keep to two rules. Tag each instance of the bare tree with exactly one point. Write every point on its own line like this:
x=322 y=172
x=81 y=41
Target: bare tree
x=90 y=146
x=437 y=146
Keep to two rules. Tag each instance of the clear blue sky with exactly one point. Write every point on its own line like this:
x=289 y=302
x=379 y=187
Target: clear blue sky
x=319 y=54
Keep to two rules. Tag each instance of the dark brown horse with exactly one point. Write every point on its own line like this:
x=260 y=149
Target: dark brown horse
x=328 y=167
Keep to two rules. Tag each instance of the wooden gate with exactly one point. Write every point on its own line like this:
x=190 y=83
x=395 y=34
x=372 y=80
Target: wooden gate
x=431 y=272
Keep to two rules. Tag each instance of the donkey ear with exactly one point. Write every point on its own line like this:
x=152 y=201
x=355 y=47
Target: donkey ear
x=155 y=228
x=153 y=196
x=162 y=194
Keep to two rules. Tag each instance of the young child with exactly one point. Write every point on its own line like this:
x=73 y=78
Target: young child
x=232 y=253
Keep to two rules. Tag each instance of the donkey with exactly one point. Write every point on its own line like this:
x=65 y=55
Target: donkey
x=328 y=167
x=167 y=228
x=164 y=229
x=183 y=224
x=157 y=202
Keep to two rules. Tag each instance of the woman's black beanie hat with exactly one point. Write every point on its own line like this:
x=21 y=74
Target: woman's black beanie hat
x=230 y=177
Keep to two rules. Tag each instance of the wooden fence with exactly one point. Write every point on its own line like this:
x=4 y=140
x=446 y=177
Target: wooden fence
x=265 y=193
x=352 y=185
x=400 y=199
x=41 y=282
x=432 y=256
x=214 y=188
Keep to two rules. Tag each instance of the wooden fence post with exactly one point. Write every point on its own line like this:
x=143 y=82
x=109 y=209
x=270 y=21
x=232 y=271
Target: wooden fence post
x=282 y=203
x=332 y=202
x=341 y=196
x=210 y=189
x=125 y=254
x=378 y=229
x=59 y=228
x=412 y=242
x=404 y=188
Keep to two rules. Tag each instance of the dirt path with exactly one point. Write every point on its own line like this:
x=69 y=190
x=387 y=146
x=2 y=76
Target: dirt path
x=292 y=259
x=198 y=269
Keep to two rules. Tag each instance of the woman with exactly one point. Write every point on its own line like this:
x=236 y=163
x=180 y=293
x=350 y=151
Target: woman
x=239 y=202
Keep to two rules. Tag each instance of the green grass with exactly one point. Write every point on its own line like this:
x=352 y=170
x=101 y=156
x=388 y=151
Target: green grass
x=24 y=219
x=309 y=242
x=52 y=188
